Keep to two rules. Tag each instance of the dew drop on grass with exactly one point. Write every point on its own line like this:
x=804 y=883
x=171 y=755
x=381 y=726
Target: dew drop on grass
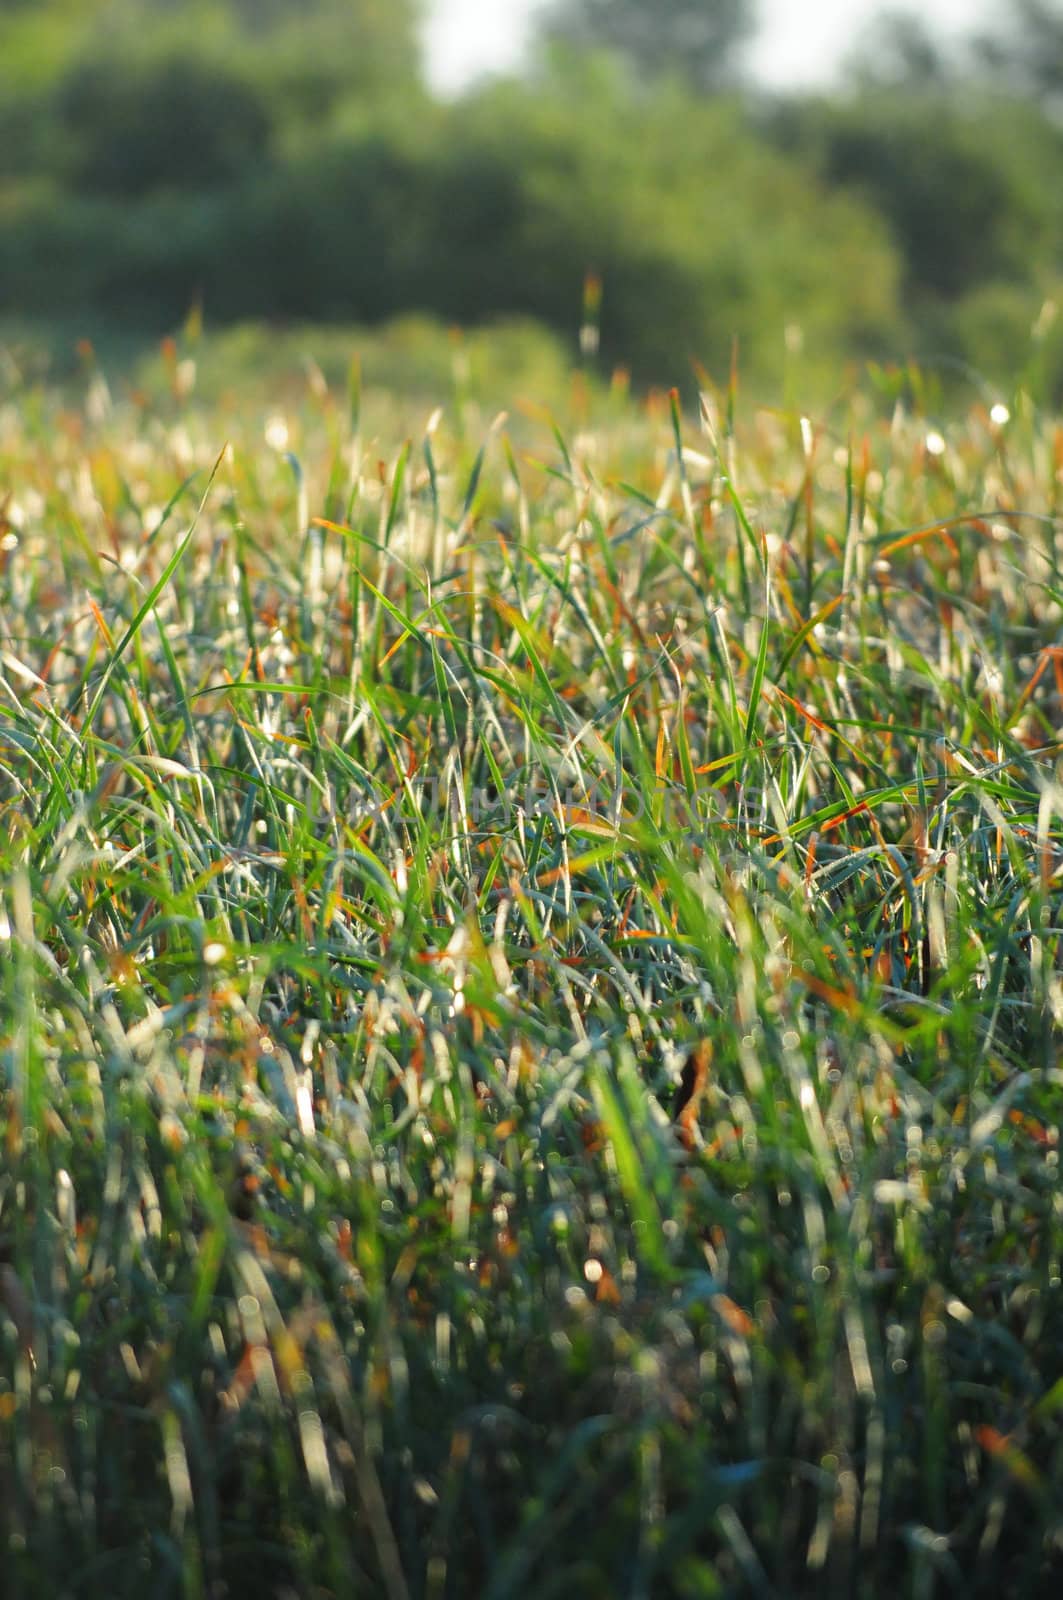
x=276 y=433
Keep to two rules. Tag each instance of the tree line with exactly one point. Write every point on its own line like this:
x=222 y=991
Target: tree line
x=285 y=160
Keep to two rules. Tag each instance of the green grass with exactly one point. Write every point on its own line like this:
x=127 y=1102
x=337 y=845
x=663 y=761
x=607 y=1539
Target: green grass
x=531 y=1002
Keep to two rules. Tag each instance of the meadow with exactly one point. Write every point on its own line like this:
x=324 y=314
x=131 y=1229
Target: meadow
x=531 y=993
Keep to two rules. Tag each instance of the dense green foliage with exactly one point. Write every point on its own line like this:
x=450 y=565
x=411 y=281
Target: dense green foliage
x=530 y=999
x=1028 y=56
x=967 y=189
x=289 y=165
x=695 y=41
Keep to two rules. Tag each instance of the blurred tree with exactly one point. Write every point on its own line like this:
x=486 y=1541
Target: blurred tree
x=173 y=123
x=696 y=239
x=365 y=42
x=358 y=44
x=900 y=48
x=966 y=209
x=1026 y=52
x=124 y=97
x=398 y=14
x=693 y=40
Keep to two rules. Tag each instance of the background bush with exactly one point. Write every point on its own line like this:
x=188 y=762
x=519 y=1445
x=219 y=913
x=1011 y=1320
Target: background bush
x=127 y=127
x=287 y=163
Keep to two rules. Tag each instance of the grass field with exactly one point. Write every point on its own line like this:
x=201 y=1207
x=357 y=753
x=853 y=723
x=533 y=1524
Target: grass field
x=532 y=999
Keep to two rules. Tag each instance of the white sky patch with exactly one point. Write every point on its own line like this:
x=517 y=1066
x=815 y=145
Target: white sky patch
x=799 y=42
x=464 y=38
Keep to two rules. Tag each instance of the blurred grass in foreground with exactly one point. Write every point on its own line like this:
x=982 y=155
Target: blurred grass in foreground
x=531 y=998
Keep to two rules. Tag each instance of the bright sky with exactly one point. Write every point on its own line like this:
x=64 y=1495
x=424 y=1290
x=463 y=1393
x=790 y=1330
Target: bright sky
x=799 y=43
